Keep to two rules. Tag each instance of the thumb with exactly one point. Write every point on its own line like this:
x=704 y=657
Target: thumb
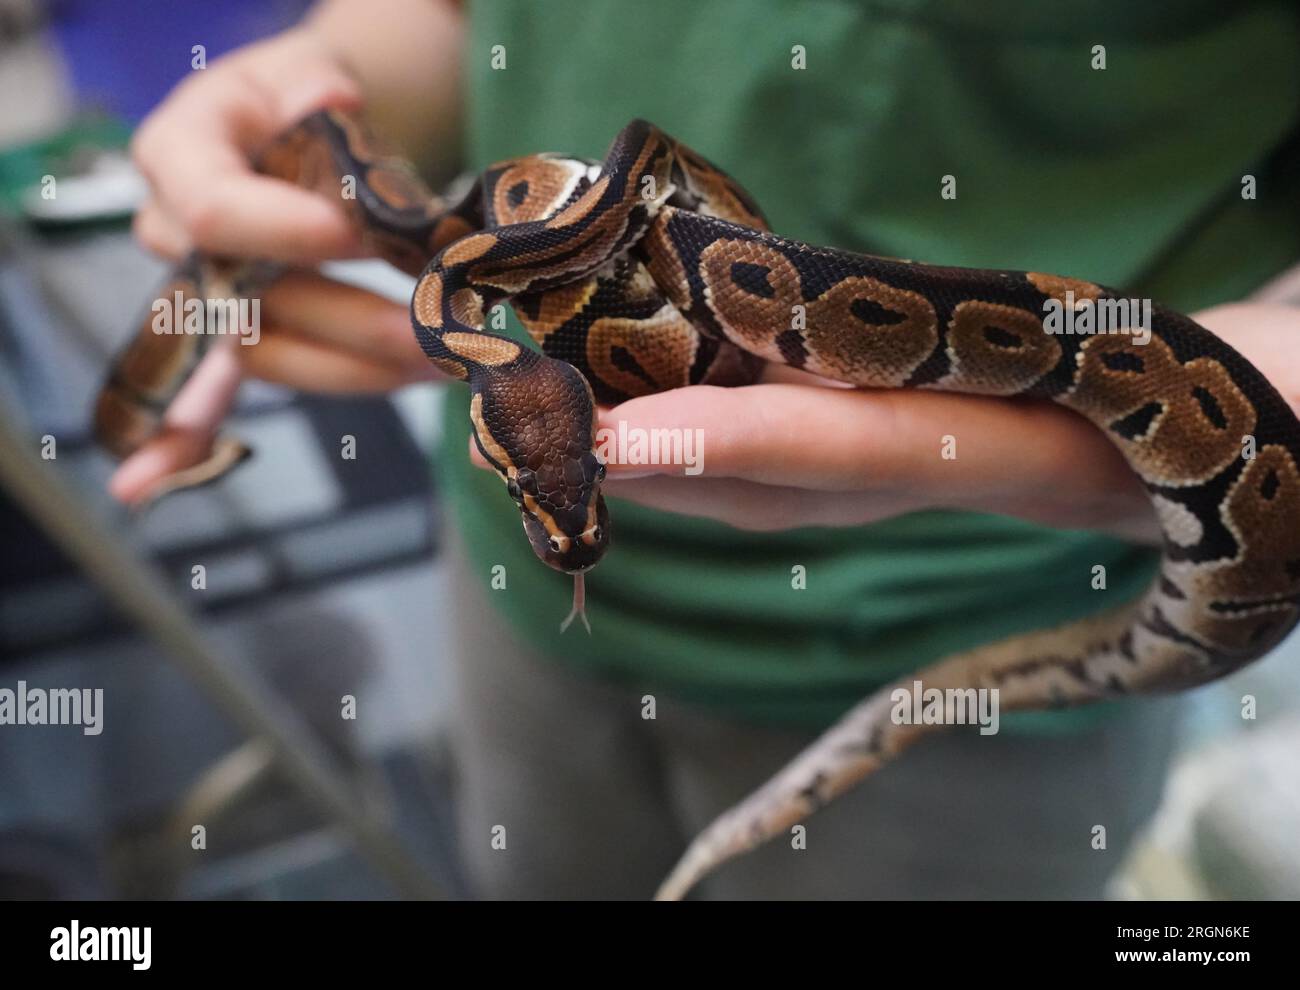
x=319 y=85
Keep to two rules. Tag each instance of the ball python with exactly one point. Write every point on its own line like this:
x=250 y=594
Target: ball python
x=654 y=270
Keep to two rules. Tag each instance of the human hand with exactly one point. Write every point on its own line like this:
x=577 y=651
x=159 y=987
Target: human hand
x=195 y=149
x=315 y=333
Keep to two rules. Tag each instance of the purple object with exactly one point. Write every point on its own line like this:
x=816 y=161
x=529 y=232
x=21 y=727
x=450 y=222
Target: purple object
x=124 y=56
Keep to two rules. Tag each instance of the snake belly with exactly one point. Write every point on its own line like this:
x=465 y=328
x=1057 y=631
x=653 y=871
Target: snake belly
x=654 y=270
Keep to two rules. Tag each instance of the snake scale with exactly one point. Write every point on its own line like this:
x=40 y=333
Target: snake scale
x=653 y=269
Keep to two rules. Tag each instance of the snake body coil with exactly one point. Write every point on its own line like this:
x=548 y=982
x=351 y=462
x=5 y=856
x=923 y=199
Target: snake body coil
x=655 y=270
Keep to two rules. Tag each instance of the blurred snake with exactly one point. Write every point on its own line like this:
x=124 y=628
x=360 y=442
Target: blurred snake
x=655 y=270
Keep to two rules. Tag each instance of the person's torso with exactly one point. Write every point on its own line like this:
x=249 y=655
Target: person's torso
x=842 y=118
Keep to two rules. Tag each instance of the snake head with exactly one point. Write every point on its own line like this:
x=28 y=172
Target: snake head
x=536 y=428
x=541 y=448
x=564 y=513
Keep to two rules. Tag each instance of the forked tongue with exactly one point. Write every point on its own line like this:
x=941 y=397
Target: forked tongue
x=579 y=610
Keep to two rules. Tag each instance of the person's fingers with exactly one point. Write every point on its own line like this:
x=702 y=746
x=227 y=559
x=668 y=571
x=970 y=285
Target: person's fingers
x=872 y=454
x=752 y=506
x=347 y=318
x=316 y=81
x=283 y=355
x=190 y=423
x=227 y=211
x=746 y=505
x=195 y=151
x=755 y=507
x=286 y=357
x=839 y=440
x=232 y=103
x=173 y=449
x=159 y=234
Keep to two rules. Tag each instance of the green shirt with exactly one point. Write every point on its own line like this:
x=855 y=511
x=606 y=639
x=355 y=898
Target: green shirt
x=1129 y=175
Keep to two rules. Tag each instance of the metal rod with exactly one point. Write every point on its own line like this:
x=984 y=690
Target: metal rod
x=234 y=687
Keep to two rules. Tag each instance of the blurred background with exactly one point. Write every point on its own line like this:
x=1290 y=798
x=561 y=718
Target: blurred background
x=319 y=580
x=320 y=583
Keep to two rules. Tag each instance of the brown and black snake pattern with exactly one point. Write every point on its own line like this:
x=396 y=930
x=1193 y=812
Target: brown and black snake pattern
x=655 y=270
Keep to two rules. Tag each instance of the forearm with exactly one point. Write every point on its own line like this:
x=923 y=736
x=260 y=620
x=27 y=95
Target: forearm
x=406 y=56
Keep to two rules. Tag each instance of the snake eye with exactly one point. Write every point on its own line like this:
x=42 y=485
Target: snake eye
x=593 y=471
x=554 y=544
x=598 y=534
